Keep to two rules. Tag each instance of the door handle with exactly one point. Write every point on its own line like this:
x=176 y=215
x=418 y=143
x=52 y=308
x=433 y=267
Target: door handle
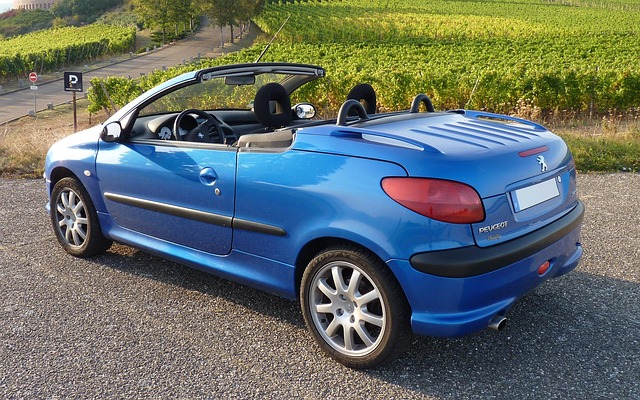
x=208 y=176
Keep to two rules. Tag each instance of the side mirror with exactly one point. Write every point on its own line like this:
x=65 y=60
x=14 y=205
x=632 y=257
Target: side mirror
x=304 y=110
x=111 y=132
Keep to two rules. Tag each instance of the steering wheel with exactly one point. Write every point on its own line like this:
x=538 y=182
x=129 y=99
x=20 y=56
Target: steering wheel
x=205 y=132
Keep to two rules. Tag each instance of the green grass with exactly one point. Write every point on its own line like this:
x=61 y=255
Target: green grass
x=605 y=154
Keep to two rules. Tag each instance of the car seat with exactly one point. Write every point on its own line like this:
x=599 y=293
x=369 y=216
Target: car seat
x=272 y=106
x=365 y=94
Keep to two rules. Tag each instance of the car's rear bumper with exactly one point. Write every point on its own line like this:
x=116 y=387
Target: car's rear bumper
x=473 y=260
x=462 y=302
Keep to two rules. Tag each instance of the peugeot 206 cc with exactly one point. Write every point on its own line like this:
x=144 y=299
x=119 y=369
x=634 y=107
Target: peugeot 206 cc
x=381 y=224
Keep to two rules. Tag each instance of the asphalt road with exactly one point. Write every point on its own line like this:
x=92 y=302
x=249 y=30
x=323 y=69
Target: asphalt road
x=130 y=325
x=206 y=42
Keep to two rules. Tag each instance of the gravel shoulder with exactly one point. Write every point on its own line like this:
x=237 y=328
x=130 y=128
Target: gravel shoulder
x=130 y=325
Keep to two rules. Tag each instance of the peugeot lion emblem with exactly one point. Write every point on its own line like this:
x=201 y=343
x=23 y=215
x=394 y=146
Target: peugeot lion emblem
x=543 y=163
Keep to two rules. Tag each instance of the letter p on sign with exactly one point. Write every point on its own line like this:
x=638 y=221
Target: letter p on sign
x=73 y=81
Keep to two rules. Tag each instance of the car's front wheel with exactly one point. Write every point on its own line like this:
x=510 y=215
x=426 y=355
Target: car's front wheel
x=75 y=221
x=354 y=307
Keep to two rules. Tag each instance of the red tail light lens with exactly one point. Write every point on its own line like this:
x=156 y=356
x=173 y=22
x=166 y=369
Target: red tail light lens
x=438 y=199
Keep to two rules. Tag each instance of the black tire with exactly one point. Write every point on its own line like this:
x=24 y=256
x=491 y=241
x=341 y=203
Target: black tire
x=362 y=323
x=75 y=221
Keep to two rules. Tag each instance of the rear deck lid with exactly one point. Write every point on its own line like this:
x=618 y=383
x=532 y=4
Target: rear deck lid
x=524 y=174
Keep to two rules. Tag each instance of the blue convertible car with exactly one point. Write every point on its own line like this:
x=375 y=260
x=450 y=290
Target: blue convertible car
x=383 y=225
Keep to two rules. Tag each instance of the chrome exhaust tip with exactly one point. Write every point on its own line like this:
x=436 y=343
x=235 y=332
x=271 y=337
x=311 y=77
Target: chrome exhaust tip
x=497 y=323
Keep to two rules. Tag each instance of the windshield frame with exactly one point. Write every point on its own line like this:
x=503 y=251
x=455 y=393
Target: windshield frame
x=294 y=76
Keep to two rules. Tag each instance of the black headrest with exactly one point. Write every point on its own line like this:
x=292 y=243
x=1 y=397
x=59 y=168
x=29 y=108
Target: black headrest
x=272 y=105
x=365 y=94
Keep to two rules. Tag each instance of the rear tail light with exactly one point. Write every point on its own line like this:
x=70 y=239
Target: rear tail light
x=441 y=200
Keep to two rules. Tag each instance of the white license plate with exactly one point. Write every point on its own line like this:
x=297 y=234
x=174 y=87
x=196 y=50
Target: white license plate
x=535 y=194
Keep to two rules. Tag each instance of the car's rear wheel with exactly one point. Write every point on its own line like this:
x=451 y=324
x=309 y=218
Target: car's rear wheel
x=354 y=307
x=75 y=221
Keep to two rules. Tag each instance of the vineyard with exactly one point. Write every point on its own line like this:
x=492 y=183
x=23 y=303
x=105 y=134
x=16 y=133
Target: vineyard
x=72 y=45
x=580 y=57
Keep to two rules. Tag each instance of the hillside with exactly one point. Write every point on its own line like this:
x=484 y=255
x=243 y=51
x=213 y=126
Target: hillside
x=572 y=65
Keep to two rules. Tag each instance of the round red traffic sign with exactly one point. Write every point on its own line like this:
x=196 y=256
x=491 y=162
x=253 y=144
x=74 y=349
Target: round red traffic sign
x=33 y=77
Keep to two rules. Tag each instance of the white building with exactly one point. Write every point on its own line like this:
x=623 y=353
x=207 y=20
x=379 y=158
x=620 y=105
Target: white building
x=33 y=4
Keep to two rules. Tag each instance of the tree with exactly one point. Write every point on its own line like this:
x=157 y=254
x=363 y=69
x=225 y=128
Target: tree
x=247 y=9
x=229 y=12
x=182 y=12
x=156 y=13
x=165 y=13
x=220 y=12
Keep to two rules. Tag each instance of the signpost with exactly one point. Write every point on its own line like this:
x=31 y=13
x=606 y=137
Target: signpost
x=33 y=77
x=73 y=83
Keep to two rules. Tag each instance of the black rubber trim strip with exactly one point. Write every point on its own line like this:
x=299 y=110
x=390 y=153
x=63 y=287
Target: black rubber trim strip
x=201 y=216
x=258 y=227
x=196 y=215
x=473 y=260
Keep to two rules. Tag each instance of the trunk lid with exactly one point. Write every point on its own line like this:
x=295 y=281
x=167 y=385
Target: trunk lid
x=524 y=174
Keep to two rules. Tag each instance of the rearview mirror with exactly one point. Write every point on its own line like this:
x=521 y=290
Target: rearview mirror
x=111 y=132
x=240 y=80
